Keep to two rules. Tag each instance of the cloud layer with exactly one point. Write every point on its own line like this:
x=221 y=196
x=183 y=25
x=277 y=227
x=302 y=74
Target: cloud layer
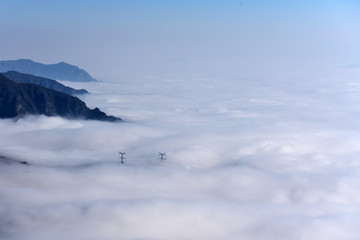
x=263 y=156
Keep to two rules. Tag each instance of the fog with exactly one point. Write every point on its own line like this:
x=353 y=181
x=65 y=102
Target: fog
x=266 y=155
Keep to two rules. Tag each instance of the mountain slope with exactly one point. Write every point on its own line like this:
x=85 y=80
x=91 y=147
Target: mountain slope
x=45 y=82
x=19 y=99
x=58 y=71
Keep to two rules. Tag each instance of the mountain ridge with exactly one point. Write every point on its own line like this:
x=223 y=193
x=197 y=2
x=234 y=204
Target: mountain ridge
x=45 y=82
x=58 y=71
x=20 y=99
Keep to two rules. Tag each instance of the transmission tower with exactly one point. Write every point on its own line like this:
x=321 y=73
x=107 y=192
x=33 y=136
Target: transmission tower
x=122 y=157
x=162 y=156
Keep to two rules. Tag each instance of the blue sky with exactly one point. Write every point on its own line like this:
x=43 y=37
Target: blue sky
x=148 y=36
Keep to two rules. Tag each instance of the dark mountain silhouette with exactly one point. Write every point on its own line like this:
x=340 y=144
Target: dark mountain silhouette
x=45 y=82
x=58 y=71
x=20 y=99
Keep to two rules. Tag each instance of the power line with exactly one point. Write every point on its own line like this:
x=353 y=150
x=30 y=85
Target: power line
x=122 y=157
x=162 y=156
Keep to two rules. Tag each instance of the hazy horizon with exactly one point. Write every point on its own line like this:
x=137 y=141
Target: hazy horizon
x=112 y=39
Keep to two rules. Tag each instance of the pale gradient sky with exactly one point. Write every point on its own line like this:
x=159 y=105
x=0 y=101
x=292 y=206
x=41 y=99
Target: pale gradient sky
x=161 y=38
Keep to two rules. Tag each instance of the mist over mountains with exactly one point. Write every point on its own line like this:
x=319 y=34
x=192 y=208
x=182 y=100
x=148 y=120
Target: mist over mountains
x=249 y=159
x=256 y=105
x=59 y=71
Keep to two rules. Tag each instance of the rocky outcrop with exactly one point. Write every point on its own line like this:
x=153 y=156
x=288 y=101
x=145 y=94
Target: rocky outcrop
x=20 y=99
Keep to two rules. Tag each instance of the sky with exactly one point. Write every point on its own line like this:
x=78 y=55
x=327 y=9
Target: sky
x=172 y=38
x=256 y=104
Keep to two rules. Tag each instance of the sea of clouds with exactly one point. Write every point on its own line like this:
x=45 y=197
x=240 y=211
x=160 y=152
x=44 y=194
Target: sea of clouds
x=259 y=156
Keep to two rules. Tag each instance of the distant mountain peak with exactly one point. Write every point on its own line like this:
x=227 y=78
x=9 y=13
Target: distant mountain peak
x=58 y=71
x=20 y=60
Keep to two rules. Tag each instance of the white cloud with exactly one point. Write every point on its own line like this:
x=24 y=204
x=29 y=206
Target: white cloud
x=273 y=158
